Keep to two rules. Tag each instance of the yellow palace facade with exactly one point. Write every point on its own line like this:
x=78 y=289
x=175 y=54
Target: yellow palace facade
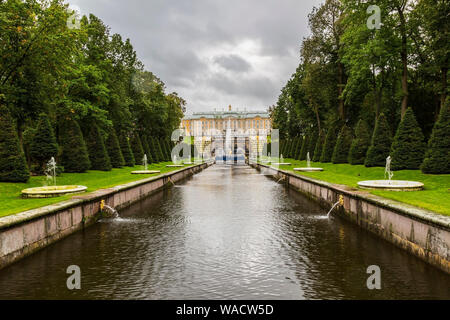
x=228 y=132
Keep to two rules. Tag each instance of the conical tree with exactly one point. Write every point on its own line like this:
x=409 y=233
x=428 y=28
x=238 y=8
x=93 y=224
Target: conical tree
x=43 y=145
x=408 y=148
x=153 y=150
x=287 y=148
x=97 y=151
x=146 y=148
x=127 y=152
x=343 y=144
x=329 y=144
x=13 y=165
x=360 y=144
x=437 y=157
x=136 y=147
x=158 y=150
x=298 y=148
x=312 y=143
x=74 y=156
x=165 y=150
x=380 y=145
x=114 y=151
x=292 y=148
x=319 y=147
x=304 y=149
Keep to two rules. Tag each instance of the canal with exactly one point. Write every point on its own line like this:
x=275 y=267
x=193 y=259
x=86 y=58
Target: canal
x=226 y=233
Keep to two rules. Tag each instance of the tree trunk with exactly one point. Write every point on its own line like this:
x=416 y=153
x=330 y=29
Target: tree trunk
x=404 y=56
x=341 y=107
x=444 y=71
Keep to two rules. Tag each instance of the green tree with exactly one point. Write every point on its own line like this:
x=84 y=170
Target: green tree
x=98 y=155
x=437 y=157
x=329 y=144
x=343 y=144
x=147 y=150
x=360 y=144
x=380 y=144
x=126 y=150
x=13 y=165
x=408 y=148
x=74 y=157
x=114 y=151
x=319 y=147
x=43 y=145
x=304 y=149
x=137 y=148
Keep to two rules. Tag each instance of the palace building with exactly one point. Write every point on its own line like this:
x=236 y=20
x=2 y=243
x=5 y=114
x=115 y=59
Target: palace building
x=206 y=123
x=229 y=132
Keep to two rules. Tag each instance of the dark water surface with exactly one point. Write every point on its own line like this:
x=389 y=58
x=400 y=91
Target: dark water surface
x=227 y=233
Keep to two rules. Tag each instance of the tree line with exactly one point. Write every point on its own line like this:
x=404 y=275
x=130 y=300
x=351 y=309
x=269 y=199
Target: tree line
x=360 y=94
x=79 y=94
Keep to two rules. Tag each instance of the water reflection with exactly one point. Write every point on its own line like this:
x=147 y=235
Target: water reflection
x=227 y=233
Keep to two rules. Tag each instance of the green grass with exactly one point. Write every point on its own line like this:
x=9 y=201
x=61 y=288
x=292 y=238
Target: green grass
x=10 y=193
x=435 y=196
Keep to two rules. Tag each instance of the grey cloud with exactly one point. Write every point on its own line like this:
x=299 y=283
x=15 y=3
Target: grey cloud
x=182 y=42
x=233 y=62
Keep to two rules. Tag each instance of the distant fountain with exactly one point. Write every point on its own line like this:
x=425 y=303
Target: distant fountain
x=145 y=162
x=387 y=170
x=308 y=165
x=389 y=184
x=50 y=171
x=52 y=190
x=145 y=165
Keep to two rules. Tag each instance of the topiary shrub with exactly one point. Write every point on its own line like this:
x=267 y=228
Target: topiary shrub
x=146 y=147
x=437 y=157
x=98 y=155
x=126 y=150
x=165 y=149
x=380 y=145
x=74 y=156
x=297 y=149
x=312 y=143
x=329 y=144
x=304 y=149
x=158 y=152
x=343 y=144
x=153 y=149
x=136 y=147
x=114 y=151
x=43 y=145
x=13 y=165
x=408 y=148
x=319 y=147
x=360 y=144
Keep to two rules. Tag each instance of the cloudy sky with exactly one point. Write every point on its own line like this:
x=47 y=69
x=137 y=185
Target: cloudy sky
x=212 y=52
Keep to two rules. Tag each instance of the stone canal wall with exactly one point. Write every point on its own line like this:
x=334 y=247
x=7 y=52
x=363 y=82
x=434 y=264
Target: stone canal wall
x=24 y=233
x=420 y=232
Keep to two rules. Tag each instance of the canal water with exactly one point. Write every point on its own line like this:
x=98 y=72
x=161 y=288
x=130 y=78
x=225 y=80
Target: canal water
x=226 y=233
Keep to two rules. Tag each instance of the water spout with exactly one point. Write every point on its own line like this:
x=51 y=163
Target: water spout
x=387 y=171
x=308 y=160
x=339 y=203
x=50 y=171
x=112 y=213
x=145 y=162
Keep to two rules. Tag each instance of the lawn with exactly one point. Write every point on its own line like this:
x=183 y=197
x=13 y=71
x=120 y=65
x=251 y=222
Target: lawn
x=11 y=201
x=435 y=196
